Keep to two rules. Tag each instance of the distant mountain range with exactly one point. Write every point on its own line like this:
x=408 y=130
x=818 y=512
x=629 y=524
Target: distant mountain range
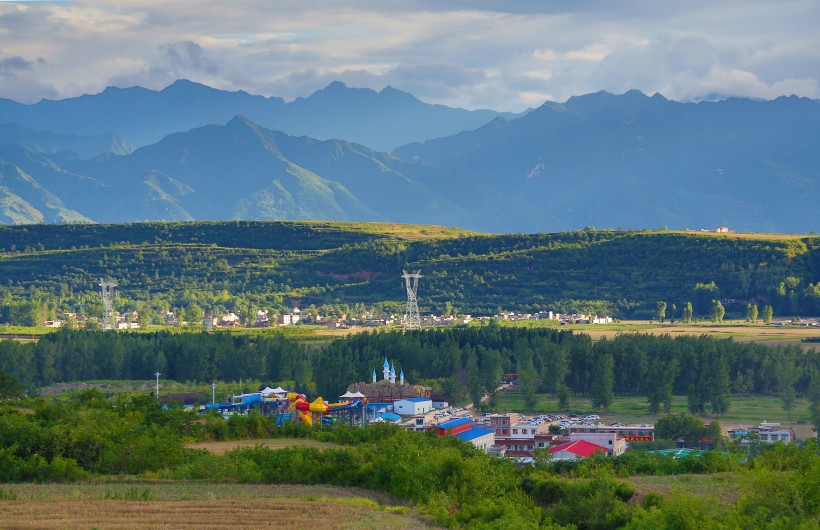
x=381 y=120
x=604 y=160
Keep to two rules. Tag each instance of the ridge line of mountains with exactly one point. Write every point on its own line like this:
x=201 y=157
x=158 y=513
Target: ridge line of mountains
x=191 y=152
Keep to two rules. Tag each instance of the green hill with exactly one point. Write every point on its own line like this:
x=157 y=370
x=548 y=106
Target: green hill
x=275 y=265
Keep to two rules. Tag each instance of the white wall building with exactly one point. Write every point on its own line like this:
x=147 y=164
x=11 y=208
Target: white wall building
x=413 y=406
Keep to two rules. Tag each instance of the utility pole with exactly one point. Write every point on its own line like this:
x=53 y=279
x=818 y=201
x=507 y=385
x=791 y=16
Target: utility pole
x=157 y=374
x=411 y=314
x=213 y=393
x=109 y=320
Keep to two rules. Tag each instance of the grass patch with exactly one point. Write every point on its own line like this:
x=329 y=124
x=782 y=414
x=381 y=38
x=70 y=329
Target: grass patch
x=722 y=486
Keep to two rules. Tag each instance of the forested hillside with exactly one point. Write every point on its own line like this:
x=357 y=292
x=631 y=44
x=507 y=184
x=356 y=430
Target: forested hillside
x=243 y=266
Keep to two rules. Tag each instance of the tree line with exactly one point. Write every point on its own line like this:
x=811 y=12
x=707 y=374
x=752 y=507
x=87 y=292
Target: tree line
x=462 y=363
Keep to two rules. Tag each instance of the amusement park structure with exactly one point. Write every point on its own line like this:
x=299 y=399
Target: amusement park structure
x=291 y=407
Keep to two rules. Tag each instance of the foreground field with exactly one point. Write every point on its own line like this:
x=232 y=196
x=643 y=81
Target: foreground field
x=135 y=505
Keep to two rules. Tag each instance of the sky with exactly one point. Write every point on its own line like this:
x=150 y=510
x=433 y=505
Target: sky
x=504 y=55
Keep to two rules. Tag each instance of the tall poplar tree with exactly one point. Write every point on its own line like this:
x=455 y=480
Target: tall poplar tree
x=661 y=311
x=686 y=313
x=603 y=382
x=751 y=313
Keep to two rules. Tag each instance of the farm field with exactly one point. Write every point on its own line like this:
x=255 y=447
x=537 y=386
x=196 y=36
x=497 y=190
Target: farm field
x=189 y=505
x=747 y=411
x=222 y=447
x=737 y=330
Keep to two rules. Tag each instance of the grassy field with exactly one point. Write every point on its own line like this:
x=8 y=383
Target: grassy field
x=738 y=330
x=746 y=411
x=403 y=231
x=222 y=447
x=735 y=329
x=186 y=505
x=722 y=486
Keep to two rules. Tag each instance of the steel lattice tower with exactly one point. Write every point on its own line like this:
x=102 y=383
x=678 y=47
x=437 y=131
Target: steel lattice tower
x=411 y=314
x=109 y=320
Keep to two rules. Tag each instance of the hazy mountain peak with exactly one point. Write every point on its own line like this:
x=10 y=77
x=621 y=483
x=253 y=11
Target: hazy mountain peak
x=395 y=93
x=186 y=86
x=242 y=121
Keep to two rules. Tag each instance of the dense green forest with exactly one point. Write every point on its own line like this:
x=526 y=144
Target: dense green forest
x=243 y=266
x=463 y=363
x=85 y=436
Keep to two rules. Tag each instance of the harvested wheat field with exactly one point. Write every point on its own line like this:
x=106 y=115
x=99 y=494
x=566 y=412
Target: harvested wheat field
x=120 y=506
x=222 y=447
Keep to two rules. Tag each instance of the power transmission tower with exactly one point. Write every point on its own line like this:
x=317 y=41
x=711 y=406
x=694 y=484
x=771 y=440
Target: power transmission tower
x=109 y=319
x=411 y=315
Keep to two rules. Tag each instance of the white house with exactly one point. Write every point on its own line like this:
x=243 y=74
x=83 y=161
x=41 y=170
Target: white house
x=413 y=406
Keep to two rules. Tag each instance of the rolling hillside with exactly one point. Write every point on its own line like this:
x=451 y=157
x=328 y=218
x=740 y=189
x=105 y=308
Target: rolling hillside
x=281 y=264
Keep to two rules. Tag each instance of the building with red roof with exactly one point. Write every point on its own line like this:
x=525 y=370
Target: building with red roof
x=575 y=450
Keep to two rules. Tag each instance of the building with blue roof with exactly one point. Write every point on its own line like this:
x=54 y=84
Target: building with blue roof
x=483 y=439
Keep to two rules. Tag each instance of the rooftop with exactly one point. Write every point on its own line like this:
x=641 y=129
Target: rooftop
x=580 y=448
x=472 y=434
x=416 y=399
x=454 y=423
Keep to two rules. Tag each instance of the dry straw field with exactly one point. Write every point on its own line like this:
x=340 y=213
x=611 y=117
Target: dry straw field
x=200 y=506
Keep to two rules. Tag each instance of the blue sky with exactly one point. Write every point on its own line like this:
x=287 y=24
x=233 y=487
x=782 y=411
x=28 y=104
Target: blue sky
x=506 y=55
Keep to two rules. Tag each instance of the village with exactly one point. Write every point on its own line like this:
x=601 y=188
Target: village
x=267 y=319
x=512 y=435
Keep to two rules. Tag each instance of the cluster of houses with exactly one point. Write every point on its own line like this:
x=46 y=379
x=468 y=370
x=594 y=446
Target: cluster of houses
x=264 y=318
x=506 y=435
x=127 y=320
x=564 y=319
x=765 y=432
x=513 y=436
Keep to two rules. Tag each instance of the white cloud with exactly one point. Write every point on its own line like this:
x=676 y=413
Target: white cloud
x=485 y=53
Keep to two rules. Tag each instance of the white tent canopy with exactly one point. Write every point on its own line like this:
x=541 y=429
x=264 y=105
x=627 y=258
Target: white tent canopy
x=350 y=394
x=268 y=390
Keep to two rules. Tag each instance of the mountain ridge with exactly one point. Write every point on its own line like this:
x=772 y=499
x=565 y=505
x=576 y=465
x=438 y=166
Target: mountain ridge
x=601 y=159
x=383 y=120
